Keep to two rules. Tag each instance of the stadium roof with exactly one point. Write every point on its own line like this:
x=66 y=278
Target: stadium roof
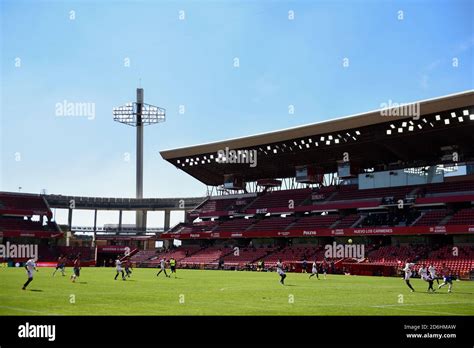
x=376 y=138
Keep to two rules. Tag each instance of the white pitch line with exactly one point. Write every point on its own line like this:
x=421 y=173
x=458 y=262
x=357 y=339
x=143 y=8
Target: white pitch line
x=27 y=310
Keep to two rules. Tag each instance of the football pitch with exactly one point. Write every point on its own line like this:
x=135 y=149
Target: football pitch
x=200 y=292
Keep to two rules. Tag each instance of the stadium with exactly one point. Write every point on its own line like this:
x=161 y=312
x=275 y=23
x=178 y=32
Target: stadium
x=236 y=172
x=360 y=196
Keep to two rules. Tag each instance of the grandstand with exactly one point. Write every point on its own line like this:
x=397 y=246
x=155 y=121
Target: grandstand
x=401 y=200
x=25 y=215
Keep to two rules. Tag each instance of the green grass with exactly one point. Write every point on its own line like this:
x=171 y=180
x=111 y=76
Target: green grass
x=224 y=293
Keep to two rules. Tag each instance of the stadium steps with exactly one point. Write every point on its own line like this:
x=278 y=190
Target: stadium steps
x=414 y=192
x=290 y=226
x=343 y=220
x=251 y=202
x=359 y=221
x=251 y=226
x=330 y=197
x=446 y=219
x=260 y=257
x=200 y=205
x=418 y=218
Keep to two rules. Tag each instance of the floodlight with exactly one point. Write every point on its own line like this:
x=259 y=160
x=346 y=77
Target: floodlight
x=139 y=114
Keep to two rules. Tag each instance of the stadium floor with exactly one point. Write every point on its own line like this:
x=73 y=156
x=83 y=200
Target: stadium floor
x=199 y=292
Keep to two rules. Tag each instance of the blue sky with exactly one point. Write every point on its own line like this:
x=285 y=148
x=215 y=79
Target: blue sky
x=47 y=57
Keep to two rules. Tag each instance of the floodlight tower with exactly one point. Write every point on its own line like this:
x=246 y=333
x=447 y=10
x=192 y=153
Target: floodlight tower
x=139 y=114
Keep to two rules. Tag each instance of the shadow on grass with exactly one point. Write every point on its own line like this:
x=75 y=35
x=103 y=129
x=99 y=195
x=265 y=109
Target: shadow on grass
x=36 y=290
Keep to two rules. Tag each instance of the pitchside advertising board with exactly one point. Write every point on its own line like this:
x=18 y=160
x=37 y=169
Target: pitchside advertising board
x=328 y=232
x=113 y=249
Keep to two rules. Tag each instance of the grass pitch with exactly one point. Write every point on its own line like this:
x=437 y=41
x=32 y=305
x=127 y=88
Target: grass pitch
x=198 y=292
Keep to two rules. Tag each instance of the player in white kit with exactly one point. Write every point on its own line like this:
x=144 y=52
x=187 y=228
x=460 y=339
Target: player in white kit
x=314 y=270
x=280 y=271
x=163 y=267
x=423 y=272
x=432 y=271
x=408 y=273
x=118 y=266
x=30 y=267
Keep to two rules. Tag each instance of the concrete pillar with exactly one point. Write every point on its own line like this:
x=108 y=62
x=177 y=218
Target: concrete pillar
x=69 y=218
x=120 y=221
x=95 y=227
x=145 y=215
x=167 y=220
x=95 y=221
